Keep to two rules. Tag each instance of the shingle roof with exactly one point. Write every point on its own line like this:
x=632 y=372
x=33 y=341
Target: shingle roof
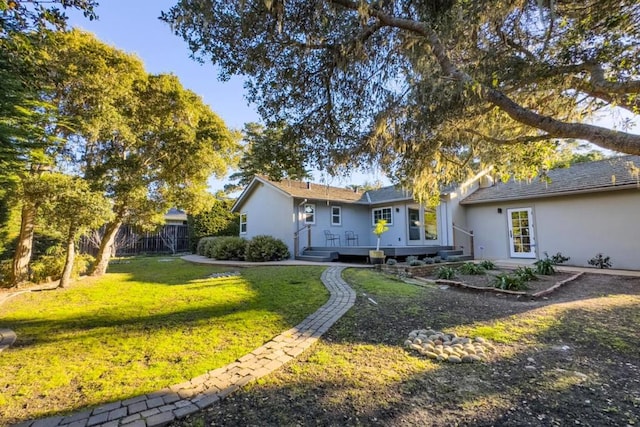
x=304 y=190
x=311 y=191
x=602 y=175
x=388 y=194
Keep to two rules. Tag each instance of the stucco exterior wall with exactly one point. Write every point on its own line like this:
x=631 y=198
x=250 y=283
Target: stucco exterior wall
x=579 y=226
x=269 y=212
x=354 y=218
x=458 y=216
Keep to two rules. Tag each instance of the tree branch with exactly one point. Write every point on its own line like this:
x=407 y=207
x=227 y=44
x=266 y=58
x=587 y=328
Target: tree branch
x=603 y=137
x=519 y=140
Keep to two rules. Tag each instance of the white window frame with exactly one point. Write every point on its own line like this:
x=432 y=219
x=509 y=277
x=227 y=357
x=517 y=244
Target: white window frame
x=373 y=214
x=333 y=215
x=243 y=222
x=305 y=217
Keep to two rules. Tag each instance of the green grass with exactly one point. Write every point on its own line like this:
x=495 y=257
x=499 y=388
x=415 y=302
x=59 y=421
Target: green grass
x=145 y=325
x=380 y=284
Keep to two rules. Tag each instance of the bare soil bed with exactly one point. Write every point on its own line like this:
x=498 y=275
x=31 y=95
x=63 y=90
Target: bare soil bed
x=487 y=280
x=572 y=358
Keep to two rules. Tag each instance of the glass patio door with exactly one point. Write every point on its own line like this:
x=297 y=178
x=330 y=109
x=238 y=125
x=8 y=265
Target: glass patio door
x=521 y=237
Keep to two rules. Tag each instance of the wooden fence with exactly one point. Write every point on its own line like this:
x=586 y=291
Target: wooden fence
x=171 y=239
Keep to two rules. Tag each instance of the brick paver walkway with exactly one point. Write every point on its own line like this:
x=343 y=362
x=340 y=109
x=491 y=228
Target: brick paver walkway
x=180 y=400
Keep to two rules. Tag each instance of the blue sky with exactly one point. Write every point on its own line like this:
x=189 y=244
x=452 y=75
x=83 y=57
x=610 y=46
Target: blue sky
x=133 y=26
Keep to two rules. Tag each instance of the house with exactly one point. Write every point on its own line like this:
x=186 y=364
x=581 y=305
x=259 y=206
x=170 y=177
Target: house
x=325 y=221
x=580 y=211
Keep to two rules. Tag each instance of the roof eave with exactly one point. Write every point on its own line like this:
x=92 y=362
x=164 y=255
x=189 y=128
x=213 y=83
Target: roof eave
x=549 y=195
x=247 y=190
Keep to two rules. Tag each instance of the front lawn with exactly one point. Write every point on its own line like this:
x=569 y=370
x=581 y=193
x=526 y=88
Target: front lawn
x=149 y=323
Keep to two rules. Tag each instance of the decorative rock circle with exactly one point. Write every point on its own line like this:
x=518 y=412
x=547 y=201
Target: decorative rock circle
x=448 y=347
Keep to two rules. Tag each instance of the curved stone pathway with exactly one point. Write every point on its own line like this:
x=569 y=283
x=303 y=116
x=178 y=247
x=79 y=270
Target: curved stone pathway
x=178 y=401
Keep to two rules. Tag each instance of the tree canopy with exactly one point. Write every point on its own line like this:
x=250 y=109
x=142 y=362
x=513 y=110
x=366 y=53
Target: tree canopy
x=144 y=140
x=271 y=152
x=24 y=114
x=427 y=88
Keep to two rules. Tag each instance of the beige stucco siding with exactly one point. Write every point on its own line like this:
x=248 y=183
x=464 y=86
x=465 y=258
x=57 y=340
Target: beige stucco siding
x=579 y=226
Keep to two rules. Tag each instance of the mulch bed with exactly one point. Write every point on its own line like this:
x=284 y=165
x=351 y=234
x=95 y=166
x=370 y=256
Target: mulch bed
x=485 y=282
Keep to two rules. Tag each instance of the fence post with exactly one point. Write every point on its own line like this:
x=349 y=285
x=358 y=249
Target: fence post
x=472 y=245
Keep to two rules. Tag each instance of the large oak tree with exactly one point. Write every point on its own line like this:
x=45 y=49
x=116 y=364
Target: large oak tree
x=144 y=140
x=427 y=87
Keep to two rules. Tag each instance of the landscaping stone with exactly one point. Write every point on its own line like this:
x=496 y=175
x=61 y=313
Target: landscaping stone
x=448 y=347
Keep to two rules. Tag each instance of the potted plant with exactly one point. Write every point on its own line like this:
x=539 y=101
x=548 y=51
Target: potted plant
x=377 y=256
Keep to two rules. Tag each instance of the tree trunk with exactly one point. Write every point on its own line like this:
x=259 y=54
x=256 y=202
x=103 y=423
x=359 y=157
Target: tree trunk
x=68 y=265
x=106 y=248
x=22 y=256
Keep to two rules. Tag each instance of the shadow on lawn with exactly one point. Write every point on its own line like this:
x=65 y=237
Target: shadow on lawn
x=582 y=366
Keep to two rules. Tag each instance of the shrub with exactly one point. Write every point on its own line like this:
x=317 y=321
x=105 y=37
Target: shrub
x=82 y=264
x=50 y=265
x=509 y=282
x=202 y=245
x=437 y=259
x=445 y=272
x=416 y=263
x=558 y=258
x=5 y=272
x=487 y=264
x=208 y=247
x=229 y=247
x=545 y=266
x=266 y=248
x=471 y=268
x=600 y=261
x=525 y=273
x=392 y=261
x=411 y=258
x=429 y=260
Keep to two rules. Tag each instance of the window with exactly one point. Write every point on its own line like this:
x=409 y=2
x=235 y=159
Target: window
x=336 y=215
x=382 y=213
x=243 y=223
x=309 y=213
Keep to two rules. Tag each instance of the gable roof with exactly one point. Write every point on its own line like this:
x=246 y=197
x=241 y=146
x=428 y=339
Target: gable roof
x=311 y=191
x=591 y=177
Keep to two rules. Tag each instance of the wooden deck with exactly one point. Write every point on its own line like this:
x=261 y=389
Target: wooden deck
x=389 y=251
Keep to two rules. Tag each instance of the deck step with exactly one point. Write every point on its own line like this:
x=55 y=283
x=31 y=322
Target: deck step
x=444 y=254
x=313 y=258
x=318 y=256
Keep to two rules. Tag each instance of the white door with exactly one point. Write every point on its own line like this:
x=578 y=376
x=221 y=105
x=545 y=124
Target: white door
x=422 y=225
x=522 y=242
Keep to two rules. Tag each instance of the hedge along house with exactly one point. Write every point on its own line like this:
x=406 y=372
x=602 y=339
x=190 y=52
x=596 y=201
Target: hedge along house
x=580 y=211
x=320 y=222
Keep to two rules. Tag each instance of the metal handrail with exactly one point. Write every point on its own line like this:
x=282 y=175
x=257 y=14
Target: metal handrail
x=471 y=238
x=468 y=233
x=296 y=239
x=301 y=228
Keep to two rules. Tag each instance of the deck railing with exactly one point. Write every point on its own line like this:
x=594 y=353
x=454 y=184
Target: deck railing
x=296 y=239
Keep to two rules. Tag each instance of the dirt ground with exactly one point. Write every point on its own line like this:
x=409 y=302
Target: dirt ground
x=572 y=358
x=487 y=280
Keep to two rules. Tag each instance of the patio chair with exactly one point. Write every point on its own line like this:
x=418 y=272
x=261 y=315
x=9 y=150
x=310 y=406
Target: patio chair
x=350 y=236
x=329 y=237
